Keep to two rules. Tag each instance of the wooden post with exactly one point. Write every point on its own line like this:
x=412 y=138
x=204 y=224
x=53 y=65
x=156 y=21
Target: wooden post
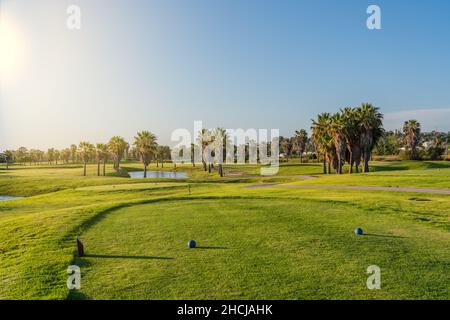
x=80 y=247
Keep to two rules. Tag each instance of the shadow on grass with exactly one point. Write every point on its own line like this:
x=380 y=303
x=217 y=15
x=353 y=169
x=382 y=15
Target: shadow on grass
x=210 y=248
x=382 y=235
x=126 y=257
x=76 y=295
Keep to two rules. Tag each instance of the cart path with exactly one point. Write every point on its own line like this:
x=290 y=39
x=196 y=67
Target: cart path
x=370 y=188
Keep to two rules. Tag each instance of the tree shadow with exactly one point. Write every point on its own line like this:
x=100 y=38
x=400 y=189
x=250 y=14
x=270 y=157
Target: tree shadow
x=126 y=257
x=76 y=295
x=382 y=235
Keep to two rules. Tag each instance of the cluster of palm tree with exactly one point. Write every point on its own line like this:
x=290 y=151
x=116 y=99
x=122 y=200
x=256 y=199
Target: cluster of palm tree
x=211 y=141
x=297 y=144
x=144 y=148
x=347 y=136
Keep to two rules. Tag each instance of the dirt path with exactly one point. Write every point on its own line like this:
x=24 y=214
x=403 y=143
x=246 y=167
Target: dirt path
x=370 y=188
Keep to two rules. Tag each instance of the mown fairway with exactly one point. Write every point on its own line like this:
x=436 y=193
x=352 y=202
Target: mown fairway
x=255 y=243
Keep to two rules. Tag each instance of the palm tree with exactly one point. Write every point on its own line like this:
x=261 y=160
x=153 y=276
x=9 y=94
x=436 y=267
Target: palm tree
x=9 y=157
x=101 y=152
x=221 y=139
x=145 y=144
x=352 y=136
x=193 y=154
x=337 y=132
x=50 y=155
x=299 y=142
x=204 y=139
x=85 y=150
x=411 y=130
x=117 y=146
x=286 y=147
x=321 y=138
x=370 y=123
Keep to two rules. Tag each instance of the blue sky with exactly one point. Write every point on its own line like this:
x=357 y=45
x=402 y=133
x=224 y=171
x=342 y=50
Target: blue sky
x=160 y=65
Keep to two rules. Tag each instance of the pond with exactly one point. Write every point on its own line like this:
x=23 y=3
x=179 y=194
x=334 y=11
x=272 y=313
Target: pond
x=6 y=198
x=158 y=174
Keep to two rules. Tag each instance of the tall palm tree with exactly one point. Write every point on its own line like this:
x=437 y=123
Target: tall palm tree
x=352 y=136
x=299 y=142
x=145 y=144
x=85 y=151
x=322 y=139
x=411 y=130
x=337 y=132
x=203 y=140
x=117 y=146
x=221 y=139
x=370 y=123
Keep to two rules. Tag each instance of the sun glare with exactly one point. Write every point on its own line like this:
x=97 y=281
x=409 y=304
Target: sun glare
x=11 y=48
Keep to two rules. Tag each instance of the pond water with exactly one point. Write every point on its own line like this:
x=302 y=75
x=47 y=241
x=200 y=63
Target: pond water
x=158 y=174
x=6 y=198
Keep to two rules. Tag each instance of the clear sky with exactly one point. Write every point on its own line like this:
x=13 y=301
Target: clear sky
x=160 y=65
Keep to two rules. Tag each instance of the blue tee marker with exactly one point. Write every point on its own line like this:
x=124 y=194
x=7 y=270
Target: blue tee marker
x=359 y=231
x=191 y=244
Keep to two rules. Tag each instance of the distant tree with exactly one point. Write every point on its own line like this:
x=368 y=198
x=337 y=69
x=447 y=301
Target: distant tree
x=146 y=146
x=22 y=155
x=73 y=152
x=101 y=152
x=286 y=147
x=117 y=146
x=85 y=150
x=204 y=139
x=66 y=154
x=300 y=140
x=56 y=155
x=411 y=131
x=9 y=157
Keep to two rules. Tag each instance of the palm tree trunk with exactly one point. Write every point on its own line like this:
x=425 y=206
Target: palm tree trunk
x=145 y=170
x=209 y=167
x=220 y=170
x=324 y=164
x=351 y=165
x=104 y=167
x=162 y=163
x=366 y=161
x=98 y=168
x=204 y=165
x=84 y=169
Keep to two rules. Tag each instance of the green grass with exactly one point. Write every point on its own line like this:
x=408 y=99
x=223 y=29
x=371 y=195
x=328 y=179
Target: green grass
x=275 y=243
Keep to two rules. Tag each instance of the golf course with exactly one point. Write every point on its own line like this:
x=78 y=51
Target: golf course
x=288 y=236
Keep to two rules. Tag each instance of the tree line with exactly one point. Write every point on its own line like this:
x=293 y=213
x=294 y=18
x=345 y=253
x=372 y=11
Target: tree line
x=350 y=136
